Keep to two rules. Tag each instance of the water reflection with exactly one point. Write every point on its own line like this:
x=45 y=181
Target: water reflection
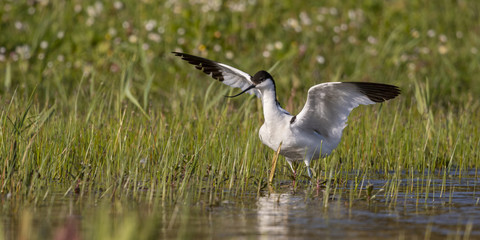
x=274 y=212
x=450 y=210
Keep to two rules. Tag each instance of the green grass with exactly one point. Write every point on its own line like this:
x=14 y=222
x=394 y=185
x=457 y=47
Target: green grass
x=93 y=103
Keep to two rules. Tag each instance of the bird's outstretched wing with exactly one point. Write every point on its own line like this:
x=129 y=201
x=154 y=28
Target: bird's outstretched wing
x=329 y=104
x=221 y=72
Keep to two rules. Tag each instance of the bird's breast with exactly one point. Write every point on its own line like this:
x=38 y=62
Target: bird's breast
x=273 y=136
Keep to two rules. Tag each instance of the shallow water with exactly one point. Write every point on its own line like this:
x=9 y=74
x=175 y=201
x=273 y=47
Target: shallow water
x=449 y=212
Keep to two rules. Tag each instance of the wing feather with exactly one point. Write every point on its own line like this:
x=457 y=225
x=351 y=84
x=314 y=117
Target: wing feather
x=329 y=104
x=226 y=74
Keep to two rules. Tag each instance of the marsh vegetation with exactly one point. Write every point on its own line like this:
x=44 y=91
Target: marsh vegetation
x=104 y=134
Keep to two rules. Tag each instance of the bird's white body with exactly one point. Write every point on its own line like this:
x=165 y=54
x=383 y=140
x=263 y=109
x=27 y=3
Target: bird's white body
x=304 y=137
x=316 y=131
x=297 y=143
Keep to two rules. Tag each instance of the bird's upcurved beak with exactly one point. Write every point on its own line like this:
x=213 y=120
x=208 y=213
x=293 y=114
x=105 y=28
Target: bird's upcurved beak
x=250 y=87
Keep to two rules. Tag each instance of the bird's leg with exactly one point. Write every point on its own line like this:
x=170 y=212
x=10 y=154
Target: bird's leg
x=307 y=163
x=290 y=162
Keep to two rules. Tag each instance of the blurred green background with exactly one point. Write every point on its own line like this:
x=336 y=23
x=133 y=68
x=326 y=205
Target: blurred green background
x=53 y=45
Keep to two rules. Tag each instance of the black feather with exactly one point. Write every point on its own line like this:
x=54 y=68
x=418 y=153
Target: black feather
x=377 y=92
x=207 y=66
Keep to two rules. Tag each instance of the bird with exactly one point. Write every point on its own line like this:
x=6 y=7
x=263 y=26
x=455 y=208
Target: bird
x=317 y=129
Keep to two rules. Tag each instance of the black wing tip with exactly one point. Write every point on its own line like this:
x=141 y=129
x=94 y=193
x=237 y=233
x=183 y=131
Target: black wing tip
x=378 y=92
x=207 y=66
x=178 y=54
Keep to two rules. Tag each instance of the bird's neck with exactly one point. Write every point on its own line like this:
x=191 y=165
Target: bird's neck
x=272 y=111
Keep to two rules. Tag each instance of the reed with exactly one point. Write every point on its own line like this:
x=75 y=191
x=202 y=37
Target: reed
x=94 y=105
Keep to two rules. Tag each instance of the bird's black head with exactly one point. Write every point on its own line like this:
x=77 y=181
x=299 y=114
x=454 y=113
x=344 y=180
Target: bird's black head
x=261 y=76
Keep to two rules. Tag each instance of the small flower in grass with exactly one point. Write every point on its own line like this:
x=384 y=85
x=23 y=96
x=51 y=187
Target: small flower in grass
x=333 y=11
x=431 y=33
x=229 y=55
x=202 y=48
x=336 y=39
x=442 y=49
x=305 y=19
x=98 y=7
x=302 y=49
x=336 y=29
x=181 y=41
x=150 y=25
x=442 y=38
x=415 y=33
x=320 y=59
x=132 y=39
x=323 y=10
x=154 y=37
x=412 y=67
x=278 y=45
x=90 y=21
x=237 y=6
x=60 y=58
x=459 y=34
x=117 y=41
x=293 y=23
x=266 y=54
x=321 y=17
x=43 y=2
x=181 y=31
x=269 y=47
x=91 y=11
x=77 y=8
x=352 y=15
x=372 y=40
x=60 y=34
x=43 y=44
x=352 y=39
x=14 y=56
x=23 y=51
x=112 y=32
x=18 y=25
x=117 y=5
x=474 y=50
x=7 y=7
x=87 y=69
x=424 y=50
x=114 y=68
x=217 y=48
x=161 y=29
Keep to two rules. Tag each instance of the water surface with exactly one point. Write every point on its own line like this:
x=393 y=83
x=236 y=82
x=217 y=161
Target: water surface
x=450 y=210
